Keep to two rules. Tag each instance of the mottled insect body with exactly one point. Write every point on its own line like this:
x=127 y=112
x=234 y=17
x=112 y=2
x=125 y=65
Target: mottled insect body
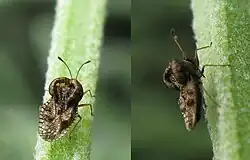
x=61 y=110
x=179 y=72
x=185 y=76
x=54 y=120
x=174 y=76
x=66 y=91
x=190 y=102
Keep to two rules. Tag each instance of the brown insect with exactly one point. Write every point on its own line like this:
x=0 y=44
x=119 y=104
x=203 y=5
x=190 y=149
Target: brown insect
x=178 y=72
x=185 y=76
x=61 y=110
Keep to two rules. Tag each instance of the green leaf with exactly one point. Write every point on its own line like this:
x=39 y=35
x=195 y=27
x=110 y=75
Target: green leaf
x=227 y=24
x=76 y=37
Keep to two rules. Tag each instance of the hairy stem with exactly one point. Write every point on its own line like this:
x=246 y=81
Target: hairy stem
x=227 y=24
x=76 y=38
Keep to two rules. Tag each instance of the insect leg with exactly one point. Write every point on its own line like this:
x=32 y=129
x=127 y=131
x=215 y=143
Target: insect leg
x=165 y=78
x=90 y=105
x=204 y=105
x=171 y=84
x=213 y=65
x=78 y=116
x=89 y=93
x=195 y=54
x=204 y=47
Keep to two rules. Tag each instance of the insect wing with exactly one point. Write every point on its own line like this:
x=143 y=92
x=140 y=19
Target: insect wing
x=190 y=104
x=49 y=123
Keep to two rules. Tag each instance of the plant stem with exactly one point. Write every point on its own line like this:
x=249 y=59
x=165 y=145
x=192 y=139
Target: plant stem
x=76 y=37
x=227 y=24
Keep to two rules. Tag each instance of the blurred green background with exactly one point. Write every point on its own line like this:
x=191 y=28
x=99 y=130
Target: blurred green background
x=141 y=121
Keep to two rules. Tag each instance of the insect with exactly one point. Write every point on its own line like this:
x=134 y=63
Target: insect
x=61 y=110
x=178 y=72
x=185 y=76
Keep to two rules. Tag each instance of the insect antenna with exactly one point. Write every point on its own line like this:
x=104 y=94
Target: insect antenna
x=65 y=65
x=81 y=67
x=69 y=69
x=175 y=37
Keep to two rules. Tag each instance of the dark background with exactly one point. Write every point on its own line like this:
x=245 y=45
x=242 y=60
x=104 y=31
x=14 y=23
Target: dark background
x=145 y=112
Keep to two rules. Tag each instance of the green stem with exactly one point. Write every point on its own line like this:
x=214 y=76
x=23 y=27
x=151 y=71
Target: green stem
x=76 y=37
x=227 y=24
